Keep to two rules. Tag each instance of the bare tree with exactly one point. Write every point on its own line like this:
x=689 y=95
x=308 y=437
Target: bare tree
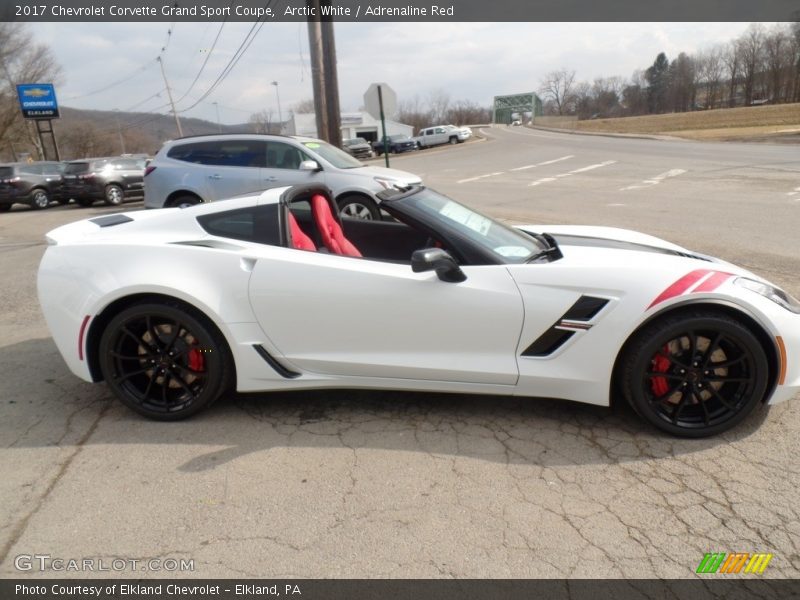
x=751 y=47
x=557 y=87
x=710 y=69
x=438 y=105
x=304 y=106
x=732 y=59
x=20 y=62
x=261 y=121
x=778 y=58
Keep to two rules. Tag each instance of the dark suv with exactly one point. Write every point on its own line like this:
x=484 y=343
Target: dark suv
x=110 y=179
x=34 y=184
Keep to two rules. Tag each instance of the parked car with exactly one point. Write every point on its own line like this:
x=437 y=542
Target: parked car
x=440 y=134
x=111 y=179
x=34 y=184
x=172 y=310
x=358 y=147
x=396 y=143
x=206 y=168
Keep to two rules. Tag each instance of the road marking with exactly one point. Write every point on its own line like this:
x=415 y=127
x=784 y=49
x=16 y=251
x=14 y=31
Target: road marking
x=655 y=180
x=794 y=191
x=541 y=164
x=615 y=204
x=570 y=173
x=590 y=167
x=480 y=177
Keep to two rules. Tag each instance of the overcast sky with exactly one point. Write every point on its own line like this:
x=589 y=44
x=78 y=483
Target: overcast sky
x=472 y=61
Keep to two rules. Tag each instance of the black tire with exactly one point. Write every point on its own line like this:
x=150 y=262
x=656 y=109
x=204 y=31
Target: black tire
x=137 y=365
x=62 y=201
x=5 y=208
x=84 y=202
x=419 y=146
x=454 y=140
x=184 y=201
x=39 y=199
x=694 y=374
x=114 y=195
x=359 y=207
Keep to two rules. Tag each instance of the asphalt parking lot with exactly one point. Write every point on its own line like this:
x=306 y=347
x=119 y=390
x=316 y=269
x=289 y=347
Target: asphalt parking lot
x=388 y=484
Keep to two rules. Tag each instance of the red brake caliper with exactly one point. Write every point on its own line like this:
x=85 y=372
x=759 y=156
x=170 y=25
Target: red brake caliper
x=660 y=364
x=196 y=362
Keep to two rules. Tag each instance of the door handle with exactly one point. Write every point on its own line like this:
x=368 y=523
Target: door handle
x=271 y=178
x=214 y=176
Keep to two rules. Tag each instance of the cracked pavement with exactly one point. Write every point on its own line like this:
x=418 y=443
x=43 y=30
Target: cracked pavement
x=378 y=484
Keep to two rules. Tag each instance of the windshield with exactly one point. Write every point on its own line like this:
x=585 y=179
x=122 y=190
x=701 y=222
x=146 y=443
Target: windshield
x=6 y=171
x=338 y=158
x=511 y=245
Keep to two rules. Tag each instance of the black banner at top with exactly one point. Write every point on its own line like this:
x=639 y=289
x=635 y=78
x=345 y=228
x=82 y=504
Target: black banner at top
x=400 y=10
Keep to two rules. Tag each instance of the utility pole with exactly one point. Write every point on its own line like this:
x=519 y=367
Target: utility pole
x=119 y=130
x=219 y=125
x=169 y=93
x=323 y=73
x=280 y=116
x=331 y=82
x=317 y=68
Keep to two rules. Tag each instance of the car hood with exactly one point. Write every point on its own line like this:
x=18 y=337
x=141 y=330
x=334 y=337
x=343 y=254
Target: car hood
x=402 y=177
x=359 y=146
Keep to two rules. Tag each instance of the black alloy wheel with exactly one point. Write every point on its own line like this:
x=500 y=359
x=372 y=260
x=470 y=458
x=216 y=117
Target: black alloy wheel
x=696 y=374
x=163 y=361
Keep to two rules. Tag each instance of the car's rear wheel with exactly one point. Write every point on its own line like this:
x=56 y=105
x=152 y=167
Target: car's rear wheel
x=695 y=374
x=85 y=202
x=40 y=199
x=183 y=201
x=454 y=140
x=114 y=195
x=359 y=207
x=163 y=361
x=5 y=208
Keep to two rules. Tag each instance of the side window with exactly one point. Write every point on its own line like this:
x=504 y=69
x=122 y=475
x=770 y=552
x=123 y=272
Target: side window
x=429 y=132
x=53 y=169
x=440 y=130
x=124 y=165
x=32 y=169
x=226 y=153
x=284 y=156
x=257 y=224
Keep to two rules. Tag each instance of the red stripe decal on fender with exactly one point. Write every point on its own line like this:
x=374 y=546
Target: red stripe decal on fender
x=713 y=282
x=80 y=336
x=680 y=286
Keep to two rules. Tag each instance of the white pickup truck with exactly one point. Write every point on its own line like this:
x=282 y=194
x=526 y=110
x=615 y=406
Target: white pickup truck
x=442 y=134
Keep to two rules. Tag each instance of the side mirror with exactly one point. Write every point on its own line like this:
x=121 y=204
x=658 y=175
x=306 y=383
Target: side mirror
x=436 y=259
x=309 y=165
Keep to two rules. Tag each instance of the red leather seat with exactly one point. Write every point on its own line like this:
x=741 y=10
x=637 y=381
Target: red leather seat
x=330 y=229
x=299 y=239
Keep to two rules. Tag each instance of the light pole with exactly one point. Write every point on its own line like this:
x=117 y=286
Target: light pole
x=169 y=94
x=219 y=126
x=280 y=116
x=119 y=131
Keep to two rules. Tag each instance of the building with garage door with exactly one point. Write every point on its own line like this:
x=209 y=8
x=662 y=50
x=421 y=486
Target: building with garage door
x=354 y=124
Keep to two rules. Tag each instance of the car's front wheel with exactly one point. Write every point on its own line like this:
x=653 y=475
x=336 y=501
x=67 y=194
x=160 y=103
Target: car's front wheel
x=183 y=201
x=40 y=200
x=164 y=361
x=114 y=195
x=359 y=207
x=5 y=208
x=454 y=140
x=695 y=374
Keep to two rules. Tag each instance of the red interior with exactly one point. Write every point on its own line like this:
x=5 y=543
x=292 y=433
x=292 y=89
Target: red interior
x=299 y=239
x=330 y=229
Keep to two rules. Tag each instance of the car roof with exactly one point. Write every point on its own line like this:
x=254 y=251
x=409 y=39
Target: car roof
x=239 y=136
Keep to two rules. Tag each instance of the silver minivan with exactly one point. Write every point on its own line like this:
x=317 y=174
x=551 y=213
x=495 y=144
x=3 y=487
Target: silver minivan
x=206 y=168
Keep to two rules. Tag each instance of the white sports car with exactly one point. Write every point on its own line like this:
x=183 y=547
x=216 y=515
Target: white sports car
x=174 y=307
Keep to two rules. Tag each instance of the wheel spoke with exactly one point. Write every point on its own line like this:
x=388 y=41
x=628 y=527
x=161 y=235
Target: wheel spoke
x=722 y=400
x=706 y=417
x=174 y=337
x=184 y=385
x=156 y=341
x=666 y=375
x=149 y=387
x=727 y=363
x=189 y=370
x=679 y=408
x=692 y=343
x=672 y=359
x=712 y=347
x=139 y=341
x=164 y=387
x=129 y=375
x=668 y=393
x=724 y=379
x=128 y=357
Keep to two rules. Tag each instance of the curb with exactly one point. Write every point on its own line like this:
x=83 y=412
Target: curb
x=630 y=136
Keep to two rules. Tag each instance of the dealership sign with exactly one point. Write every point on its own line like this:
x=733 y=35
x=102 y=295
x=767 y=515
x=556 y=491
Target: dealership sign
x=38 y=100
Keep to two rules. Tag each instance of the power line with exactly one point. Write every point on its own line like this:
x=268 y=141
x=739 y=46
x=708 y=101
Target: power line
x=203 y=66
x=135 y=73
x=243 y=47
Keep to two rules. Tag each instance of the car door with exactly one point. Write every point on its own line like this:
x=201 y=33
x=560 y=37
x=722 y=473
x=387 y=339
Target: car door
x=232 y=166
x=283 y=166
x=343 y=316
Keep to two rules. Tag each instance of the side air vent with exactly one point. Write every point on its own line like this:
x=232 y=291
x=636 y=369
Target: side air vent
x=575 y=319
x=111 y=220
x=273 y=362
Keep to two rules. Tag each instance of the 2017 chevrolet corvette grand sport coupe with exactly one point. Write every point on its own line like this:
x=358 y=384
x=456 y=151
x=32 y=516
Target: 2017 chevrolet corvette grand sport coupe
x=174 y=307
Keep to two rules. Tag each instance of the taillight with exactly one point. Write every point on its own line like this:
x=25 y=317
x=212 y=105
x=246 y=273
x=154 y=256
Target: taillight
x=89 y=176
x=149 y=169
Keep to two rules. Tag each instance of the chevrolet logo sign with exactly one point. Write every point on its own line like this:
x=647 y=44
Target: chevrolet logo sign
x=36 y=92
